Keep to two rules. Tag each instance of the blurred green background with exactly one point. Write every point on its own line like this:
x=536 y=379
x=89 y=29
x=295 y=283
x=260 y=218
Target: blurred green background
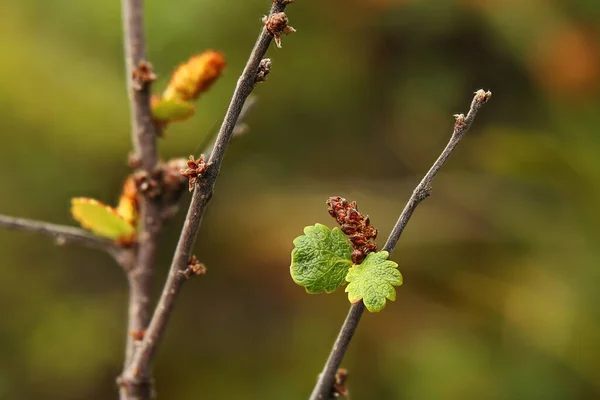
x=500 y=264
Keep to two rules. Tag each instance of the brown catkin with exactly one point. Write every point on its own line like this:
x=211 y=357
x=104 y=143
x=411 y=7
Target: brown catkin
x=355 y=225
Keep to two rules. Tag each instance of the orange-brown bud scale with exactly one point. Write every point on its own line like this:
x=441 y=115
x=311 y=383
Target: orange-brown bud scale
x=277 y=25
x=142 y=75
x=138 y=335
x=194 y=170
x=340 y=388
x=194 y=267
x=128 y=202
x=195 y=76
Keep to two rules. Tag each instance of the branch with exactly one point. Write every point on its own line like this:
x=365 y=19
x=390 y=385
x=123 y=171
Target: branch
x=239 y=128
x=143 y=134
x=61 y=233
x=200 y=198
x=139 y=77
x=240 y=125
x=325 y=382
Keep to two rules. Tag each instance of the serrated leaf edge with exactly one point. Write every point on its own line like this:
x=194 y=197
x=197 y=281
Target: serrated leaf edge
x=391 y=297
x=306 y=231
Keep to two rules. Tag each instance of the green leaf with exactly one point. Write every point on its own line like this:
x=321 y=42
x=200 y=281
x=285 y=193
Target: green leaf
x=101 y=219
x=321 y=259
x=373 y=281
x=164 y=110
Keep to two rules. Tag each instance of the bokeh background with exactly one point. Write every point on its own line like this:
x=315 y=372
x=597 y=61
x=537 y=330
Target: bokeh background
x=501 y=263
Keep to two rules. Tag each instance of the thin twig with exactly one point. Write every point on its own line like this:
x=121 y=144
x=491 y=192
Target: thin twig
x=61 y=233
x=241 y=125
x=323 y=388
x=200 y=198
x=70 y=235
x=238 y=130
x=143 y=134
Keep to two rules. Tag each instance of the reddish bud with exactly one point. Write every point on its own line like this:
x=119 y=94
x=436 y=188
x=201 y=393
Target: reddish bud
x=142 y=75
x=194 y=170
x=194 y=267
x=277 y=25
x=339 y=385
x=138 y=335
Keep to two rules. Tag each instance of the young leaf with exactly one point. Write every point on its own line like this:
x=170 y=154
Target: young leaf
x=171 y=110
x=321 y=259
x=373 y=281
x=195 y=76
x=101 y=219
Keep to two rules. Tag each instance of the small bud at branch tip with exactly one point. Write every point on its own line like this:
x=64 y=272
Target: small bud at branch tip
x=482 y=96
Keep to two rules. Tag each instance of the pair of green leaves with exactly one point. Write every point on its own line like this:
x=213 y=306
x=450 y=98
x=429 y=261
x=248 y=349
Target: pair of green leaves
x=321 y=261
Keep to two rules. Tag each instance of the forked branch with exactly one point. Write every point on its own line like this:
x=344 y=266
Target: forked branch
x=323 y=388
x=140 y=364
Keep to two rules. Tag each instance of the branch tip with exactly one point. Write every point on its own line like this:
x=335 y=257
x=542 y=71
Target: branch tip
x=482 y=96
x=328 y=378
x=140 y=362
